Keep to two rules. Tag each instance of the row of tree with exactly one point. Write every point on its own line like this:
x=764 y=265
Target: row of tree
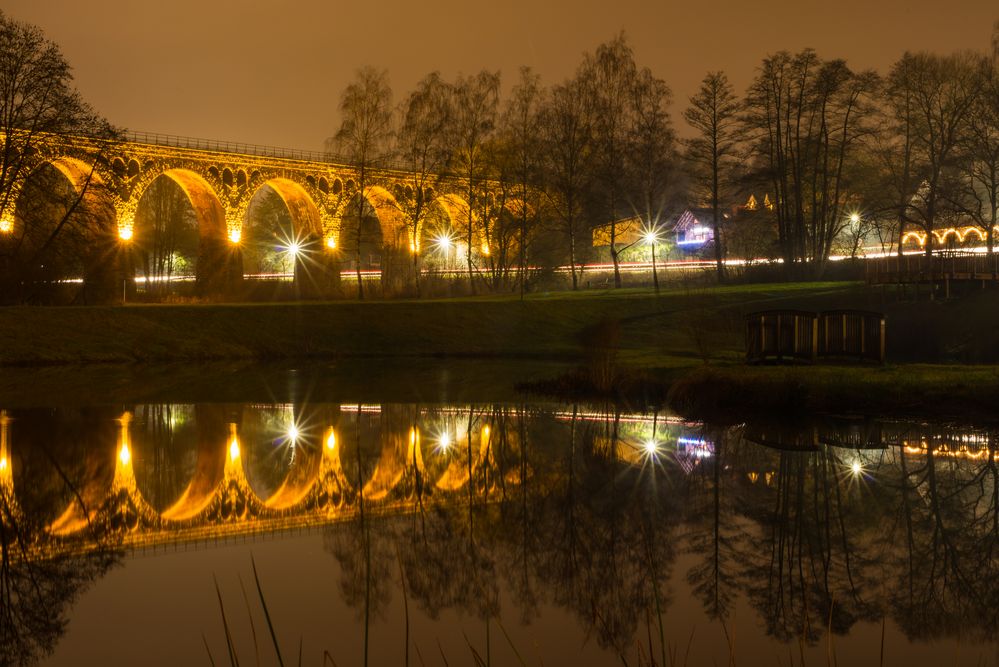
x=839 y=153
x=558 y=161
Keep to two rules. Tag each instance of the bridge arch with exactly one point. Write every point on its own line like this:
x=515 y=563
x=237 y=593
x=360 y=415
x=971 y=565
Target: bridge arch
x=212 y=263
x=381 y=204
x=64 y=222
x=289 y=241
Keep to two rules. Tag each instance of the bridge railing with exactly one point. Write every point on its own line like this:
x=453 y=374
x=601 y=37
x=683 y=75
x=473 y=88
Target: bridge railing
x=212 y=145
x=911 y=268
x=796 y=335
x=781 y=335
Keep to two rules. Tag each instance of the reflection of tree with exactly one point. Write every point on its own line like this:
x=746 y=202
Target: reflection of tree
x=543 y=520
x=714 y=534
x=944 y=557
x=810 y=579
x=36 y=596
x=37 y=589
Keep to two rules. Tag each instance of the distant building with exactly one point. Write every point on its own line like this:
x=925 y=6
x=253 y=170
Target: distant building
x=694 y=229
x=627 y=231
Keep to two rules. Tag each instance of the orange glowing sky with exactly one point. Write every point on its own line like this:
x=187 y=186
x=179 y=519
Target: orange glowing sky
x=271 y=72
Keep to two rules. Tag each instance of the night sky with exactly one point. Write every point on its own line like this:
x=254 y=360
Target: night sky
x=272 y=72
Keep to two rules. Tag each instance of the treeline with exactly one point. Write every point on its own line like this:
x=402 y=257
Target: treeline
x=589 y=168
x=836 y=158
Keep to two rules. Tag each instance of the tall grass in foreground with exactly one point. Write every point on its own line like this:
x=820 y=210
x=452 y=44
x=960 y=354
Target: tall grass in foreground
x=669 y=654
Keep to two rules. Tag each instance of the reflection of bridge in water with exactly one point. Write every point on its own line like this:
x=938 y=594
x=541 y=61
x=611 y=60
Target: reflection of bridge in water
x=435 y=455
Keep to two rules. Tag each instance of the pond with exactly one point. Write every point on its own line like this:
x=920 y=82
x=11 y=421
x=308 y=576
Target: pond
x=501 y=531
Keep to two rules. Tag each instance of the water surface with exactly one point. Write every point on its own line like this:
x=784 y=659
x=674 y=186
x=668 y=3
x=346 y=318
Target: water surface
x=504 y=531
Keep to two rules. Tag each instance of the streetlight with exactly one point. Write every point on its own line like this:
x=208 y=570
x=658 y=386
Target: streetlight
x=651 y=237
x=444 y=243
x=126 y=230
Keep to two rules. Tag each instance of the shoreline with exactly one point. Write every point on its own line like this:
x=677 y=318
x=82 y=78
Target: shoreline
x=681 y=347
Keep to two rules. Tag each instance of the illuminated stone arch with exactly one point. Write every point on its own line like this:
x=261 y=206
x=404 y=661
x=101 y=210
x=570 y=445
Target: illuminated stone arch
x=213 y=268
x=391 y=219
x=86 y=245
x=301 y=207
x=206 y=204
x=456 y=209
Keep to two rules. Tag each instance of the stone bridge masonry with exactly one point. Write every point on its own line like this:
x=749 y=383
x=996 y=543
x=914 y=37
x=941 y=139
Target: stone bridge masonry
x=220 y=180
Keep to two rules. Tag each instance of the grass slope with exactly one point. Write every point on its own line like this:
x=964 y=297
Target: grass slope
x=654 y=329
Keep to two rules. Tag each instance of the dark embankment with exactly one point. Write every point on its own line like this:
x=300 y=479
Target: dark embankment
x=540 y=326
x=631 y=344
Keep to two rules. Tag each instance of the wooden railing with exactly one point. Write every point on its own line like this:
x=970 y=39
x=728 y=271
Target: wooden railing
x=920 y=268
x=796 y=335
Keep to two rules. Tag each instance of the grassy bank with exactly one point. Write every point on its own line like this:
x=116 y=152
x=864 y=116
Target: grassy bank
x=629 y=344
x=544 y=326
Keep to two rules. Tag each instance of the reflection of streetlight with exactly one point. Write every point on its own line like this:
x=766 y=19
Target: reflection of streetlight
x=6 y=226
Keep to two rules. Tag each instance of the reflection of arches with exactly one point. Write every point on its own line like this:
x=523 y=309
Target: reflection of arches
x=401 y=453
x=458 y=472
x=299 y=482
x=87 y=499
x=209 y=469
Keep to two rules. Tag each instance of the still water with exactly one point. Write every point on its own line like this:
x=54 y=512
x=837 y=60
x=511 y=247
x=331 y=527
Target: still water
x=496 y=532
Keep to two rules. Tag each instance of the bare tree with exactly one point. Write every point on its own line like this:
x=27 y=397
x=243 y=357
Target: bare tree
x=521 y=131
x=714 y=115
x=938 y=93
x=37 y=98
x=652 y=153
x=807 y=116
x=980 y=157
x=567 y=153
x=422 y=146
x=363 y=137
x=475 y=114
x=609 y=76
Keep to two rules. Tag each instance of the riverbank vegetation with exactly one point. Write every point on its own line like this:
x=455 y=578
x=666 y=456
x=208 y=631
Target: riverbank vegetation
x=684 y=343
